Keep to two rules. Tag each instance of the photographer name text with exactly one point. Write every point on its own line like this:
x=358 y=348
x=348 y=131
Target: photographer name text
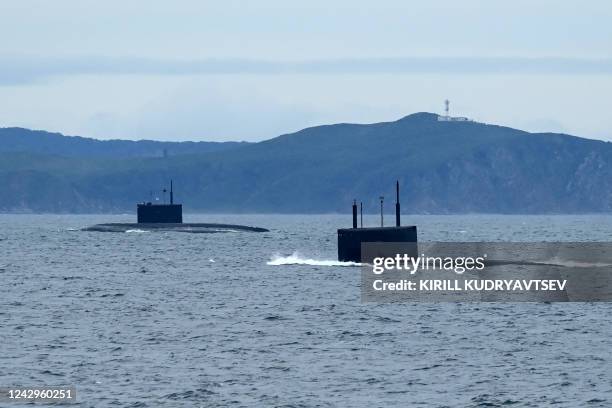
x=432 y=285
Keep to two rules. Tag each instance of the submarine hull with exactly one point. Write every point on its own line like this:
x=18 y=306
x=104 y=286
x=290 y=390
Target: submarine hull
x=350 y=240
x=193 y=228
x=168 y=217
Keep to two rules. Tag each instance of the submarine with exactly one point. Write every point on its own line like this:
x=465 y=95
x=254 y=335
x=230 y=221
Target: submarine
x=350 y=240
x=168 y=217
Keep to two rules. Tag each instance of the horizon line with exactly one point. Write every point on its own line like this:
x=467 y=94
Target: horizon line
x=299 y=130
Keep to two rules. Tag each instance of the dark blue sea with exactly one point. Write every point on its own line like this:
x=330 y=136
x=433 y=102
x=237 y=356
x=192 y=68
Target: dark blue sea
x=170 y=319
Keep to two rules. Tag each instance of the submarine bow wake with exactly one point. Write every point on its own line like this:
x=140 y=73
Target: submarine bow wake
x=297 y=259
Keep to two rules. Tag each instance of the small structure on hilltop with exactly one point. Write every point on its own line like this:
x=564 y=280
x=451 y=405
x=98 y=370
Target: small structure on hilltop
x=448 y=118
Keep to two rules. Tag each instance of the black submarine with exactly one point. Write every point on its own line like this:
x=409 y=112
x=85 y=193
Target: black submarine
x=168 y=217
x=350 y=240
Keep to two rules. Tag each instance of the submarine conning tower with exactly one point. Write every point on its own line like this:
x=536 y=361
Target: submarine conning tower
x=149 y=213
x=350 y=240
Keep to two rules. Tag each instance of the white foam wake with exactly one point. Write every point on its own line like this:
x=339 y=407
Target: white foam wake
x=296 y=259
x=138 y=231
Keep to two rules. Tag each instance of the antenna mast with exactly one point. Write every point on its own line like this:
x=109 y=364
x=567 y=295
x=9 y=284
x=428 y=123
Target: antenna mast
x=171 y=193
x=397 y=205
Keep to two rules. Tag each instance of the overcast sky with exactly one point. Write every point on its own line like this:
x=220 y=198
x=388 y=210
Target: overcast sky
x=251 y=70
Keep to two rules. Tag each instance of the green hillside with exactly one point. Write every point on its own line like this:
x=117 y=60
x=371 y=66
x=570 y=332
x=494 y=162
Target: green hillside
x=444 y=167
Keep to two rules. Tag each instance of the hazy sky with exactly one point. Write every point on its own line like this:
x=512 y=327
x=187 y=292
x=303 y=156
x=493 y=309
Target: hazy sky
x=251 y=70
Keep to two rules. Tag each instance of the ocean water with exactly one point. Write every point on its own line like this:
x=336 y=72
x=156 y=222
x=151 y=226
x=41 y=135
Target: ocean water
x=144 y=319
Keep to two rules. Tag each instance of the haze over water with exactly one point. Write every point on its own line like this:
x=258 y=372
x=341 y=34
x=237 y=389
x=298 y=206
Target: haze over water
x=182 y=320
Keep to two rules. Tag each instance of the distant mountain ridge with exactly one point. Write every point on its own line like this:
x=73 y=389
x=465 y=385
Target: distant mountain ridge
x=14 y=139
x=443 y=167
